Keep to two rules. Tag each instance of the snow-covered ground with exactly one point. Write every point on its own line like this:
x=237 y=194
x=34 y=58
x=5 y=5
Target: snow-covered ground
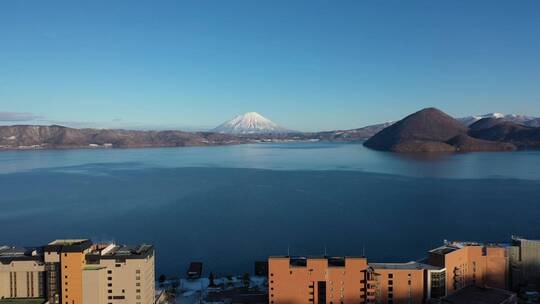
x=195 y=291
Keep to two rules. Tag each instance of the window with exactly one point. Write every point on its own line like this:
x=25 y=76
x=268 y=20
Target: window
x=390 y=275
x=109 y=284
x=109 y=278
x=109 y=271
x=109 y=291
x=390 y=282
x=390 y=288
x=137 y=271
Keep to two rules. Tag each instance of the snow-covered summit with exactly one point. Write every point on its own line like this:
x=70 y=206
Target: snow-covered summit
x=250 y=123
x=519 y=119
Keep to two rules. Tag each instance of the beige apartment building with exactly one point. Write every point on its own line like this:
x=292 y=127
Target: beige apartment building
x=22 y=273
x=119 y=274
x=524 y=255
x=77 y=272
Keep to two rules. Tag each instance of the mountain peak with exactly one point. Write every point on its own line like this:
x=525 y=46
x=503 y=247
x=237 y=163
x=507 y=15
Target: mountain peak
x=250 y=123
x=425 y=130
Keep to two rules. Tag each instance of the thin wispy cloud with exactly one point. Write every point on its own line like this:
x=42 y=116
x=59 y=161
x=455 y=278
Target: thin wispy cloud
x=18 y=116
x=9 y=118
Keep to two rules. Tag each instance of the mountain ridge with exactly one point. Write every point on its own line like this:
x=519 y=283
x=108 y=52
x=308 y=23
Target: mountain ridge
x=431 y=130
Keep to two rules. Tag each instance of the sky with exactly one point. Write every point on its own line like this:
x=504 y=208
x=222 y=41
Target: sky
x=307 y=65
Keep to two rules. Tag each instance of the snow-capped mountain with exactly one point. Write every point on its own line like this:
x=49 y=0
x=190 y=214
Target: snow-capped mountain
x=250 y=123
x=519 y=119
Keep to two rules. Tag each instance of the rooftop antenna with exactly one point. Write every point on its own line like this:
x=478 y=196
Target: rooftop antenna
x=363 y=250
x=325 y=254
x=288 y=250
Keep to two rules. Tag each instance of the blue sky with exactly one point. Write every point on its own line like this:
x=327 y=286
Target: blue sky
x=308 y=65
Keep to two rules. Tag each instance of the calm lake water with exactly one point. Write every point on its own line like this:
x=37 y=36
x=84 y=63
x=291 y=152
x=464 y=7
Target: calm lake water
x=229 y=206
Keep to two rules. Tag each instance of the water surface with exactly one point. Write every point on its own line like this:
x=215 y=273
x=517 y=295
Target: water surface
x=229 y=206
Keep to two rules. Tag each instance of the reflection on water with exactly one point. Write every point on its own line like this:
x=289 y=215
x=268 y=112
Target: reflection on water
x=291 y=156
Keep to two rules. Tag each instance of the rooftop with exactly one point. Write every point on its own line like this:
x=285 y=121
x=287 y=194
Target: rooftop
x=479 y=295
x=68 y=245
x=520 y=239
x=301 y=261
x=455 y=245
x=114 y=251
x=125 y=250
x=8 y=254
x=22 y=301
x=408 y=265
x=68 y=242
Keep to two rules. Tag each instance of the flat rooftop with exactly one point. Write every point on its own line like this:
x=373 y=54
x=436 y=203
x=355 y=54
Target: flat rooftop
x=405 y=266
x=8 y=254
x=455 y=245
x=68 y=245
x=479 y=295
x=114 y=251
x=444 y=249
x=68 y=242
x=22 y=301
x=301 y=261
x=128 y=250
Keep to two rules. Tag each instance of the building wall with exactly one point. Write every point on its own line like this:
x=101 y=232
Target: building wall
x=497 y=271
x=525 y=262
x=128 y=281
x=400 y=285
x=299 y=284
x=71 y=265
x=476 y=265
x=22 y=279
x=95 y=285
x=52 y=268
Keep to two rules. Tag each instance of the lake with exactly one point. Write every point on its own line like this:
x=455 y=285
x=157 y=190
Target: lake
x=229 y=206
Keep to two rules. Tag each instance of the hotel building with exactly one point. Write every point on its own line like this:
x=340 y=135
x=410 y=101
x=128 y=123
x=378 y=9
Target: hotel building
x=22 y=273
x=119 y=274
x=524 y=258
x=78 y=272
x=354 y=280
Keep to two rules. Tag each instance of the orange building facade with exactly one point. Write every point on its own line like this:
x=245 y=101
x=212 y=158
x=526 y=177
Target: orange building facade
x=64 y=260
x=78 y=272
x=337 y=280
x=471 y=264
